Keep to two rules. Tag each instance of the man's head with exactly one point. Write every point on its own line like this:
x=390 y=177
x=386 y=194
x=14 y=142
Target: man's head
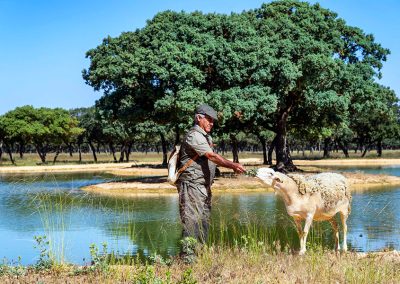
x=205 y=117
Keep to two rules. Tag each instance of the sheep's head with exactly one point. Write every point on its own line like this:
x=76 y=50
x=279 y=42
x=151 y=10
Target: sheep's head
x=267 y=175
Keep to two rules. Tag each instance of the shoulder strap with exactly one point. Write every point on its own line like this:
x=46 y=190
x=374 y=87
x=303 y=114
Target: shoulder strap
x=188 y=163
x=191 y=160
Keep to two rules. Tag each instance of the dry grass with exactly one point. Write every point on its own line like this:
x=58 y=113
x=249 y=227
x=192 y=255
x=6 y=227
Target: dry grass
x=32 y=159
x=239 y=265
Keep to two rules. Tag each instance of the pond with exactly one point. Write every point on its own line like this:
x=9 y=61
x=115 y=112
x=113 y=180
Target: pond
x=388 y=169
x=54 y=206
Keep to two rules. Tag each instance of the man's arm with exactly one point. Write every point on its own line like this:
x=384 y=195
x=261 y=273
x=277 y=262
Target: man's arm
x=221 y=161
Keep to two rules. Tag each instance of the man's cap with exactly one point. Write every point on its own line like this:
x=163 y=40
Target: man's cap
x=206 y=109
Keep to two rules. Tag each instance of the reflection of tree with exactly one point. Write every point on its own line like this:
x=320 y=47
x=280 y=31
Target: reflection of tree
x=258 y=216
x=320 y=233
x=285 y=230
x=160 y=236
x=150 y=223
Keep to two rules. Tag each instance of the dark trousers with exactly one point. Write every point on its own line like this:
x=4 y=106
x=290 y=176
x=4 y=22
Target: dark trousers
x=195 y=209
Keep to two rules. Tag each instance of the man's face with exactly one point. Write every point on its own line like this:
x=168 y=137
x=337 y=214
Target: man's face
x=206 y=123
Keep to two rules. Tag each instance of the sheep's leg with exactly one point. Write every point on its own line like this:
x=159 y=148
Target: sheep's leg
x=299 y=227
x=336 y=231
x=343 y=217
x=307 y=226
x=299 y=232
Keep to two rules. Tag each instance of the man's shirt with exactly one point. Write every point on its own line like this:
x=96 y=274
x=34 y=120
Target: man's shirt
x=201 y=171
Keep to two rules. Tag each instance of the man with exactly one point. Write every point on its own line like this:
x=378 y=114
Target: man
x=194 y=184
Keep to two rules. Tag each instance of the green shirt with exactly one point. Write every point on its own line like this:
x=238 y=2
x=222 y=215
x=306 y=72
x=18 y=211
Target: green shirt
x=201 y=171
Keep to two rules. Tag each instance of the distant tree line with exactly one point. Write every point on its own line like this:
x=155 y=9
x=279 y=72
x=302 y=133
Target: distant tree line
x=42 y=130
x=288 y=75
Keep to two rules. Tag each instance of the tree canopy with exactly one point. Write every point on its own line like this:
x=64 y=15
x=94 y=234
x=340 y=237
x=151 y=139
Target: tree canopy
x=42 y=127
x=287 y=66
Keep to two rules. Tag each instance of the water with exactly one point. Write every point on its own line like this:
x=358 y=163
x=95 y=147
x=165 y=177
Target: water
x=388 y=170
x=53 y=205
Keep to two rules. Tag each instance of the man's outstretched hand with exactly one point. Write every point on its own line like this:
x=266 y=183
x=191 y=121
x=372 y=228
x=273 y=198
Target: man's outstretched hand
x=238 y=168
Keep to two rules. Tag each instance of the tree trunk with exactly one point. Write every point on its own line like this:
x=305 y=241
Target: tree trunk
x=21 y=150
x=80 y=153
x=223 y=147
x=93 y=151
x=234 y=144
x=122 y=155
x=112 y=149
x=327 y=142
x=57 y=153
x=264 y=149
x=379 y=148
x=271 y=150
x=344 y=147
x=41 y=152
x=164 y=149
x=284 y=162
x=9 y=151
x=71 y=149
x=128 y=151
x=365 y=150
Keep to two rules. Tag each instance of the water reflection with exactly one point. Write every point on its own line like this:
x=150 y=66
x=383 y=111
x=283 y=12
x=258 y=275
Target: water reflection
x=393 y=170
x=374 y=219
x=54 y=206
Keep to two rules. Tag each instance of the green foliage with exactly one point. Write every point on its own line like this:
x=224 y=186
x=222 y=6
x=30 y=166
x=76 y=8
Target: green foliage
x=187 y=277
x=99 y=260
x=42 y=127
x=188 y=249
x=44 y=262
x=12 y=269
x=147 y=275
x=156 y=258
x=286 y=67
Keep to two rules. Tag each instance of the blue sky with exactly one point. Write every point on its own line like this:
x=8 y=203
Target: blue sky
x=43 y=43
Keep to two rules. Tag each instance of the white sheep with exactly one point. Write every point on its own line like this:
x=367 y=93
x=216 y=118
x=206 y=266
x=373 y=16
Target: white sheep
x=319 y=197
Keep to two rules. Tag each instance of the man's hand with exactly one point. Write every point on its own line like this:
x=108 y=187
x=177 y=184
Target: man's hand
x=238 y=168
x=221 y=161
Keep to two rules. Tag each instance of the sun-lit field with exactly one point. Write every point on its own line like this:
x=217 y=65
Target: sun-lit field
x=31 y=159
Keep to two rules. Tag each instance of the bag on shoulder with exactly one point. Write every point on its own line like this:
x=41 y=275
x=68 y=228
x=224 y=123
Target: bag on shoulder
x=173 y=171
x=172 y=165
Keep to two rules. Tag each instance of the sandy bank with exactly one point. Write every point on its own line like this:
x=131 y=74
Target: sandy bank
x=153 y=181
x=233 y=185
x=130 y=169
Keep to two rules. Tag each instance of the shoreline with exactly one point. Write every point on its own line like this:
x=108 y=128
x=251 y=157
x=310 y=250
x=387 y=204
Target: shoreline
x=150 y=179
x=132 y=167
x=150 y=187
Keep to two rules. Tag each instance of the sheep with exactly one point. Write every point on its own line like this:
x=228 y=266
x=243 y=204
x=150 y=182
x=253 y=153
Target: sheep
x=319 y=197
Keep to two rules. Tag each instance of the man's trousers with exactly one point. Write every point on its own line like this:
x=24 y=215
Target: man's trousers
x=194 y=209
